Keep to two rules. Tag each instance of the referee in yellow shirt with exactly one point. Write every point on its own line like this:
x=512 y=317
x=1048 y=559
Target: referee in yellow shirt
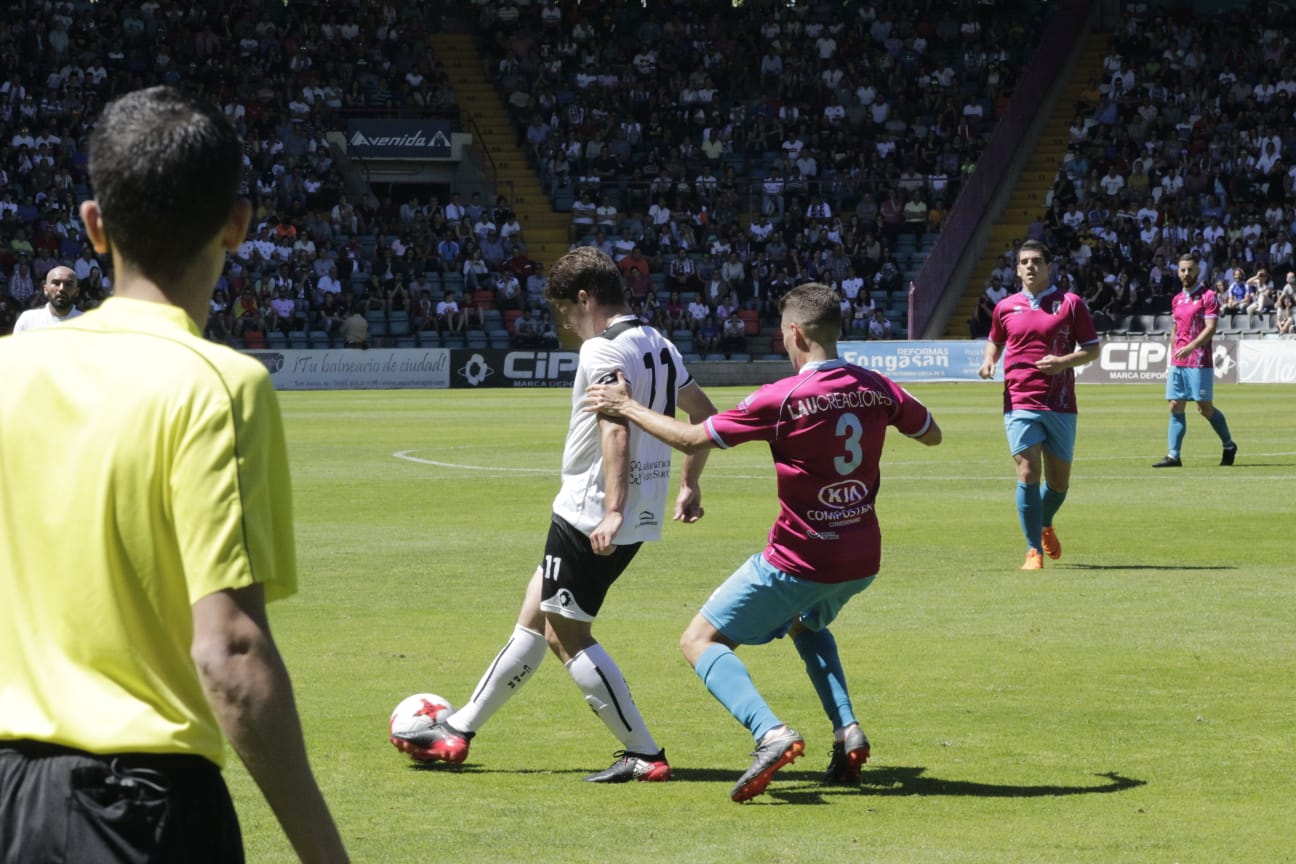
x=145 y=520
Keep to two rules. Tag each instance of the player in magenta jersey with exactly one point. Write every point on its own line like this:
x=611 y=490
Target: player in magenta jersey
x=1036 y=331
x=825 y=428
x=1191 y=376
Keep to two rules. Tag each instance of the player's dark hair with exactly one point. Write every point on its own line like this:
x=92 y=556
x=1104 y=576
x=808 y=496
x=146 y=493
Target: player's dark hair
x=165 y=171
x=1035 y=246
x=1190 y=256
x=586 y=269
x=817 y=308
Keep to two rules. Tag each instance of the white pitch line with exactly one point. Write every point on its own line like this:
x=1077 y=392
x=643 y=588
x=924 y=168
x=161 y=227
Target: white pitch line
x=405 y=454
x=886 y=475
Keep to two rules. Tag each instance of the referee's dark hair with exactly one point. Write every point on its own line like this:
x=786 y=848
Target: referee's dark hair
x=165 y=170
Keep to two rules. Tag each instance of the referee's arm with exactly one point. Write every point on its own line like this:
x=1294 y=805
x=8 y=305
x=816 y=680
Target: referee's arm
x=247 y=686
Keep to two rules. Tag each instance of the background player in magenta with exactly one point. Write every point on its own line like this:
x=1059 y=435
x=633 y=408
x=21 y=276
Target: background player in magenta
x=1036 y=331
x=1191 y=376
x=825 y=427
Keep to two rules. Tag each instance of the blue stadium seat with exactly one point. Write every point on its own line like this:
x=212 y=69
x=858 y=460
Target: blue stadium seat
x=400 y=325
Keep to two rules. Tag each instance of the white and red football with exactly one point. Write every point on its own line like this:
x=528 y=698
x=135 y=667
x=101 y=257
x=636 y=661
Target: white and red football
x=417 y=712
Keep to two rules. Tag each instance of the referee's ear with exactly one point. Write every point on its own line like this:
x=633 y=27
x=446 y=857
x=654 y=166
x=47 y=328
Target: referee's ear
x=96 y=233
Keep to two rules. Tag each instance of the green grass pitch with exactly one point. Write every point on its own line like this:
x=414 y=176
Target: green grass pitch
x=1134 y=702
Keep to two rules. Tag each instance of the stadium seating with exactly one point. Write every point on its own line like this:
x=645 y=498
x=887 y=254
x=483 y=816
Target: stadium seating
x=377 y=222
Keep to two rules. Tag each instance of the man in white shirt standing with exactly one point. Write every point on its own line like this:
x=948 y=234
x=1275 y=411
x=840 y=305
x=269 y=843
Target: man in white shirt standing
x=61 y=292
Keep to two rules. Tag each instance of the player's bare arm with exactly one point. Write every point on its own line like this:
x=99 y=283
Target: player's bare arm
x=614 y=438
x=614 y=400
x=989 y=358
x=688 y=504
x=1051 y=364
x=932 y=436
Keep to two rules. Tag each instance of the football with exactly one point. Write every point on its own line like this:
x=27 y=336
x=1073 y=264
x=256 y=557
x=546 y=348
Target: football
x=417 y=712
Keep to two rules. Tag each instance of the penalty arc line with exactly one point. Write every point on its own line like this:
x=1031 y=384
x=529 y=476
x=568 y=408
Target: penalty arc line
x=407 y=456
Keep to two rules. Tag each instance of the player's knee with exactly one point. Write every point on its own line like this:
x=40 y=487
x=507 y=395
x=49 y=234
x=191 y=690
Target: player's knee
x=691 y=645
x=556 y=643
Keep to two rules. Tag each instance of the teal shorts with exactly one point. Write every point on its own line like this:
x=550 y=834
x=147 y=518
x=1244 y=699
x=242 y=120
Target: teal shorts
x=1190 y=385
x=759 y=603
x=1054 y=429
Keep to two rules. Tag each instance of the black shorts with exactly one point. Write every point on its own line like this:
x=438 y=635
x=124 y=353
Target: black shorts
x=62 y=804
x=575 y=579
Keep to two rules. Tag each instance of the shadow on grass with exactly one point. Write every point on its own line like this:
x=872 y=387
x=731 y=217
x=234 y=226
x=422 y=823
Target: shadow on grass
x=470 y=768
x=807 y=787
x=1140 y=567
x=902 y=781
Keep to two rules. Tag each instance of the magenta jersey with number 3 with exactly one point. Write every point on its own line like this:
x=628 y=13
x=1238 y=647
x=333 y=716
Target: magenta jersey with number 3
x=1029 y=331
x=1191 y=312
x=825 y=428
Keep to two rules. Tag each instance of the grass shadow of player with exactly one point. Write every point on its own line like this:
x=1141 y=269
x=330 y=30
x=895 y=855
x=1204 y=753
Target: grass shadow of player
x=902 y=781
x=1193 y=567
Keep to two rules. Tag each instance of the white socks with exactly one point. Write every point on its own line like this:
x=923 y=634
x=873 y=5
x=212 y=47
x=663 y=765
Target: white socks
x=511 y=668
x=598 y=677
x=595 y=673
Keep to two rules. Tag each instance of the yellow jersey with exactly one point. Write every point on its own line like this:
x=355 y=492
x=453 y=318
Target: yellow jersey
x=142 y=468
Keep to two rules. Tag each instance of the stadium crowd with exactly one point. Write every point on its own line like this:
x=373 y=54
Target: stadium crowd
x=1180 y=147
x=723 y=156
x=720 y=155
x=285 y=74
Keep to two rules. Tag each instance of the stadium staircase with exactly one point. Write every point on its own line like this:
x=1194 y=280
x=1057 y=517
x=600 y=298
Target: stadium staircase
x=1029 y=201
x=496 y=142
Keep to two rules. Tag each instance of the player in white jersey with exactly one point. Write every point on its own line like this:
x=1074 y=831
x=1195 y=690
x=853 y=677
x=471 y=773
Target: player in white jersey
x=612 y=499
x=825 y=427
x=61 y=293
x=624 y=344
